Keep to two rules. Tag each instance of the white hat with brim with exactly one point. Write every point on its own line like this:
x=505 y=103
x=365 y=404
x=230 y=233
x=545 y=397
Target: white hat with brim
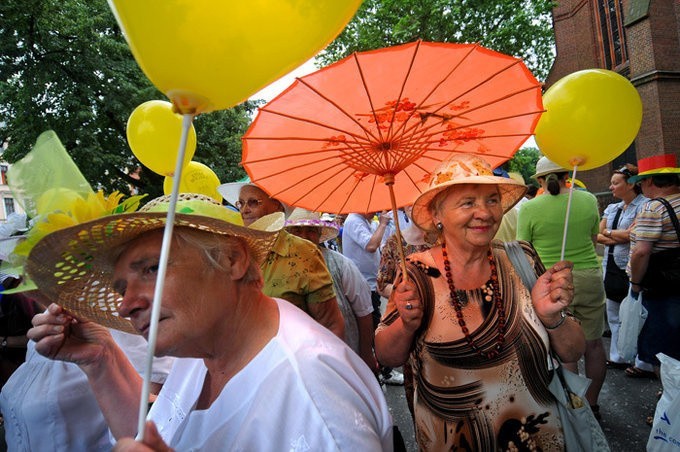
x=458 y=170
x=231 y=192
x=74 y=266
x=305 y=218
x=545 y=166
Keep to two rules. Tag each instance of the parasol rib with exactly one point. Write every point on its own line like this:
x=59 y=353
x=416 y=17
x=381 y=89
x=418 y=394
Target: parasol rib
x=436 y=86
x=320 y=124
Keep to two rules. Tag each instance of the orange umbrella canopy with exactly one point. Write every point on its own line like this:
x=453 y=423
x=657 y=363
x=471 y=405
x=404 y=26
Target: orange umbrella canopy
x=340 y=139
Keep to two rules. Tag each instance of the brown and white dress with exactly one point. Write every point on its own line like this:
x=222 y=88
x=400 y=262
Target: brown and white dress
x=464 y=399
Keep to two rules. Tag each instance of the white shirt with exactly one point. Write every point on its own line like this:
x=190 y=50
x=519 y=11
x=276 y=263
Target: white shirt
x=356 y=233
x=351 y=292
x=305 y=390
x=48 y=405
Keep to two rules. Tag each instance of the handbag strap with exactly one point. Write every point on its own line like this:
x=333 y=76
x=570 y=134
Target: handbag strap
x=671 y=213
x=615 y=223
x=521 y=263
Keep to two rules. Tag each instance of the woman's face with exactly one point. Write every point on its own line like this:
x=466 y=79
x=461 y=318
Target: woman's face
x=619 y=187
x=470 y=214
x=190 y=305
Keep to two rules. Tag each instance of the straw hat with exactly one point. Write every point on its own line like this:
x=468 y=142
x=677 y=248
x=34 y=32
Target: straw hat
x=306 y=218
x=463 y=169
x=74 y=266
x=546 y=166
x=651 y=166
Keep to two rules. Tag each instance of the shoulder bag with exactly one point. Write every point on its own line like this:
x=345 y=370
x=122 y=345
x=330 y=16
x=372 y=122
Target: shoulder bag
x=615 y=279
x=663 y=271
x=581 y=430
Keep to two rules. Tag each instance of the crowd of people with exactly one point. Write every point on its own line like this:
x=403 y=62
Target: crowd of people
x=278 y=334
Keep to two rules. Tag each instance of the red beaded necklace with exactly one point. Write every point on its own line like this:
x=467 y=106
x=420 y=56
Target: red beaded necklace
x=455 y=302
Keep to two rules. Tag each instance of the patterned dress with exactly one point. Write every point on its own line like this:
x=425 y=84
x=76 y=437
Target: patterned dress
x=464 y=401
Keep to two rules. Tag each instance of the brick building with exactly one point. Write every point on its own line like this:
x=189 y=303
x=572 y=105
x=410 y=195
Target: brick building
x=639 y=39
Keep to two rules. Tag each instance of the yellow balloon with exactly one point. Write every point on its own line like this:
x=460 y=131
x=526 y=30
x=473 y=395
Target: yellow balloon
x=154 y=132
x=210 y=55
x=591 y=117
x=196 y=178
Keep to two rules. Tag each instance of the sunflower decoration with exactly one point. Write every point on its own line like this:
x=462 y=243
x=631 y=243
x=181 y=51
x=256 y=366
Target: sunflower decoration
x=55 y=195
x=76 y=210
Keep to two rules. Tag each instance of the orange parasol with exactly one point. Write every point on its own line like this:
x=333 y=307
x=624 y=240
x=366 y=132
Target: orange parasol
x=369 y=129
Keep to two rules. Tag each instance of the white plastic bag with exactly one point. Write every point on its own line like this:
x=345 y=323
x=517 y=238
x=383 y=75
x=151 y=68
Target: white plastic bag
x=665 y=434
x=632 y=315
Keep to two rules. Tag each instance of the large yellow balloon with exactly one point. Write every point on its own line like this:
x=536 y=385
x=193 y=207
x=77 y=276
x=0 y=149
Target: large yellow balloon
x=154 y=132
x=212 y=54
x=196 y=178
x=591 y=117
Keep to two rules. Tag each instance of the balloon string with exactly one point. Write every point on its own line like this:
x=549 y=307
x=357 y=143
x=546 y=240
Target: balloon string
x=187 y=119
x=566 y=219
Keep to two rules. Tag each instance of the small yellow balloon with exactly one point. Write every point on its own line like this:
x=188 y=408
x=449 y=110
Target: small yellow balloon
x=154 y=132
x=591 y=117
x=210 y=55
x=196 y=178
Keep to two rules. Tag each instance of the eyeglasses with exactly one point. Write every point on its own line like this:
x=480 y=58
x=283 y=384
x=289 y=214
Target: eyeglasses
x=252 y=203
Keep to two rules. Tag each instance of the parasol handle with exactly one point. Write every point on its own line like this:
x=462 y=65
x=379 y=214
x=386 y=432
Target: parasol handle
x=566 y=219
x=402 y=258
x=187 y=119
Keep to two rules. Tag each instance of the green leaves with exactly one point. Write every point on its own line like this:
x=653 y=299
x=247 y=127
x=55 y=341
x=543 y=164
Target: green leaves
x=521 y=28
x=64 y=65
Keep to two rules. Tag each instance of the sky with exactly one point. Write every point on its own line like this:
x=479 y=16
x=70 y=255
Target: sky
x=275 y=88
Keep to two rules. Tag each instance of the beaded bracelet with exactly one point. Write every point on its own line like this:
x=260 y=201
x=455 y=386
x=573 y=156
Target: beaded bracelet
x=563 y=316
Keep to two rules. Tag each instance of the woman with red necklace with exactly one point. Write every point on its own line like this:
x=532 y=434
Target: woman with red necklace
x=478 y=340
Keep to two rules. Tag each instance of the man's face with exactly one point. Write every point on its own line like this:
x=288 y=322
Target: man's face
x=254 y=204
x=647 y=187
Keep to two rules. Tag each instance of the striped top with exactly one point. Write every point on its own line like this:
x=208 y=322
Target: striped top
x=653 y=224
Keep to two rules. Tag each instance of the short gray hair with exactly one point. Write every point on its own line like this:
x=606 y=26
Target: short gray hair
x=216 y=246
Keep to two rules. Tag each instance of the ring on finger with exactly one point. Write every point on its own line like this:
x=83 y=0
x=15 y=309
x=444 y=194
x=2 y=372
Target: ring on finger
x=409 y=306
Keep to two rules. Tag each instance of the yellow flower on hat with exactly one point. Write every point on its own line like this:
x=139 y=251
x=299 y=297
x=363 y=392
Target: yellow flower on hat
x=76 y=210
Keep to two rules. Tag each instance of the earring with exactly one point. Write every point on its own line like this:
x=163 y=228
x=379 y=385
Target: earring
x=439 y=226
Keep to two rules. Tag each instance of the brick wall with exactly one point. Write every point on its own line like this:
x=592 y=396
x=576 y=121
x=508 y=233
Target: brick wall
x=653 y=44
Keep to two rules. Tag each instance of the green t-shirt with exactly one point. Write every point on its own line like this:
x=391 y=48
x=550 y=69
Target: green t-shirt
x=541 y=222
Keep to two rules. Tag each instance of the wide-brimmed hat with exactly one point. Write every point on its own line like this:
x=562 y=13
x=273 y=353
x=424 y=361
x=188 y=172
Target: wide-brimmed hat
x=232 y=190
x=306 y=218
x=545 y=166
x=651 y=166
x=74 y=266
x=463 y=169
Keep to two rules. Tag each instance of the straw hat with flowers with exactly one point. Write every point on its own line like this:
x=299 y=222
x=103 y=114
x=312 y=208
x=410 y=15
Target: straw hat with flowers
x=73 y=266
x=463 y=169
x=305 y=218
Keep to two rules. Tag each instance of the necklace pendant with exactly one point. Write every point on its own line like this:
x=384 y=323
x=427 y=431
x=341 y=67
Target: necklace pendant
x=462 y=297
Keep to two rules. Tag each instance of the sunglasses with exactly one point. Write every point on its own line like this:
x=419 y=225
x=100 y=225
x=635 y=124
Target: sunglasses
x=252 y=203
x=625 y=171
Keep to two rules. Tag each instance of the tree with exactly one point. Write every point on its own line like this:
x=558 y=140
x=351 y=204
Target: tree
x=65 y=66
x=524 y=163
x=522 y=28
